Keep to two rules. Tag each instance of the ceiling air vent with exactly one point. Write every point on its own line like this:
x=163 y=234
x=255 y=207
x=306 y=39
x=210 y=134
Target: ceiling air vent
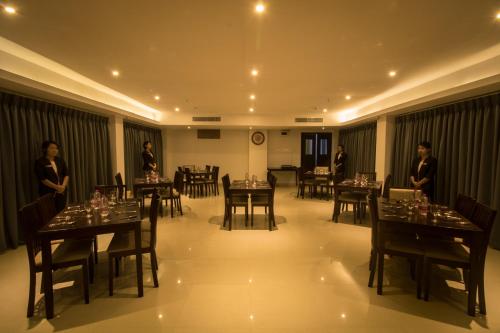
x=208 y=134
x=308 y=120
x=217 y=118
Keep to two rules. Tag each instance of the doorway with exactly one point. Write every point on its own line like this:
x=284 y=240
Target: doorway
x=316 y=150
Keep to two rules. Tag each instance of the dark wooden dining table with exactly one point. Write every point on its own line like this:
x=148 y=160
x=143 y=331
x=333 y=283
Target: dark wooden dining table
x=394 y=216
x=72 y=223
x=349 y=185
x=161 y=183
x=239 y=187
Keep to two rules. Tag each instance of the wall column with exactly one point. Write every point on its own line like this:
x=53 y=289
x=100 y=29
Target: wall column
x=257 y=156
x=385 y=142
x=165 y=167
x=117 y=145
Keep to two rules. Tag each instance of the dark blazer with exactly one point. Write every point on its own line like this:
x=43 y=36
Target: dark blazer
x=339 y=161
x=148 y=159
x=44 y=170
x=428 y=170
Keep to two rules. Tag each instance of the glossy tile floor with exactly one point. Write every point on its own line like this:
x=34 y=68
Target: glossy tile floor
x=309 y=275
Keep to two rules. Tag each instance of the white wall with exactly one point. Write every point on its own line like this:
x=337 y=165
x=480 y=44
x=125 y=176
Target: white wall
x=230 y=153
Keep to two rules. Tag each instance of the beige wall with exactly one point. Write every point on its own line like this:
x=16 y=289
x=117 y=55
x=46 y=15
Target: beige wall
x=230 y=152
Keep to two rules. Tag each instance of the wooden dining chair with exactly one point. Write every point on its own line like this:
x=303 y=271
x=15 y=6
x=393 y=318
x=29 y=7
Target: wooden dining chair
x=194 y=185
x=329 y=185
x=389 y=242
x=263 y=201
x=457 y=255
x=122 y=188
x=387 y=186
x=304 y=181
x=465 y=206
x=237 y=200
x=176 y=193
x=212 y=182
x=123 y=245
x=69 y=253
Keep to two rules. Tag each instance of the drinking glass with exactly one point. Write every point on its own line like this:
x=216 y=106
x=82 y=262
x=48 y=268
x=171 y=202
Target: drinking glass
x=88 y=208
x=104 y=212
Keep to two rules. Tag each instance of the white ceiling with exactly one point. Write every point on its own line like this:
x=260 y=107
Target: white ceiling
x=197 y=55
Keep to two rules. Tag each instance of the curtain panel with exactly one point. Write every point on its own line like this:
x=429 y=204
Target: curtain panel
x=25 y=124
x=134 y=137
x=465 y=140
x=360 y=143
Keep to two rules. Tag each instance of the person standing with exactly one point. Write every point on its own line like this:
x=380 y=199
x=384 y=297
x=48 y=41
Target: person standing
x=148 y=157
x=423 y=170
x=339 y=162
x=52 y=174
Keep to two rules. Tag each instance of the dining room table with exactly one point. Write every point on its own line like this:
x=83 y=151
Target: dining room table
x=74 y=222
x=141 y=184
x=351 y=185
x=443 y=223
x=259 y=187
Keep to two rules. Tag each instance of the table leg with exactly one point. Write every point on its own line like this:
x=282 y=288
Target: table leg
x=473 y=275
x=171 y=202
x=271 y=212
x=138 y=259
x=230 y=212
x=47 y=278
x=336 y=208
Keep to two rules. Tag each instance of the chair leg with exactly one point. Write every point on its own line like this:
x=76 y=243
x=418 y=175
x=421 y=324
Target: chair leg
x=180 y=205
x=372 y=267
x=427 y=279
x=354 y=212
x=91 y=269
x=380 y=280
x=251 y=222
x=85 y=272
x=246 y=215
x=110 y=275
x=419 y=270
x=154 y=268
x=31 y=295
x=482 y=297
x=117 y=266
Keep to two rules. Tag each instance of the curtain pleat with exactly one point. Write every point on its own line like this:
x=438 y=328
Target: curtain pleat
x=25 y=124
x=134 y=136
x=466 y=141
x=360 y=144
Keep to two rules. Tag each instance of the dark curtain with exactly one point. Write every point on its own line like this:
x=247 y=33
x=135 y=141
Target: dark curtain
x=25 y=124
x=360 y=144
x=465 y=140
x=134 y=137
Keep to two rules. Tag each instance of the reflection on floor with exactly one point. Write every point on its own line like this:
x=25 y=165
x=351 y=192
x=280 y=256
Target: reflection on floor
x=309 y=275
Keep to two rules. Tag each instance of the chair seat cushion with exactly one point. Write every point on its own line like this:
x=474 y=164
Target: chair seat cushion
x=446 y=250
x=125 y=242
x=71 y=250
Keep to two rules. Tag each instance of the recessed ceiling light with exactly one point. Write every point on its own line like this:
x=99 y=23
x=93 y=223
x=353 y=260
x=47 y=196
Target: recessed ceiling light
x=189 y=127
x=177 y=109
x=325 y=110
x=115 y=73
x=251 y=110
x=323 y=128
x=498 y=16
x=347 y=97
x=157 y=97
x=254 y=72
x=9 y=10
x=250 y=128
x=260 y=7
x=392 y=73
x=252 y=97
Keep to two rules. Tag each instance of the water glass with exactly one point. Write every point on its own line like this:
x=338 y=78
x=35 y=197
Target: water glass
x=88 y=208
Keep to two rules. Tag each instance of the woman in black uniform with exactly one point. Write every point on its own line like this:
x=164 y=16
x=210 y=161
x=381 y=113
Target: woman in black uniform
x=148 y=157
x=52 y=174
x=339 y=162
x=423 y=170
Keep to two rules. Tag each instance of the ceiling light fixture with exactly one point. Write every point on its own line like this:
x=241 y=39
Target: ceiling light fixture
x=498 y=15
x=252 y=97
x=177 y=109
x=9 y=10
x=325 y=110
x=251 y=110
x=392 y=73
x=260 y=8
x=189 y=127
x=115 y=73
x=254 y=72
x=348 y=97
x=157 y=97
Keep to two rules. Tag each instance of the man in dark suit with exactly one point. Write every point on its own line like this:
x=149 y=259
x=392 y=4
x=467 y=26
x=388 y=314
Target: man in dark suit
x=423 y=170
x=339 y=162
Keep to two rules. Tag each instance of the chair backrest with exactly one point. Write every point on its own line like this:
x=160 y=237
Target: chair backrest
x=46 y=207
x=373 y=207
x=30 y=221
x=153 y=217
x=272 y=181
x=107 y=189
x=180 y=169
x=226 y=182
x=300 y=173
x=465 y=205
x=484 y=218
x=215 y=173
x=387 y=186
x=189 y=176
x=404 y=193
x=372 y=176
x=179 y=182
x=121 y=187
